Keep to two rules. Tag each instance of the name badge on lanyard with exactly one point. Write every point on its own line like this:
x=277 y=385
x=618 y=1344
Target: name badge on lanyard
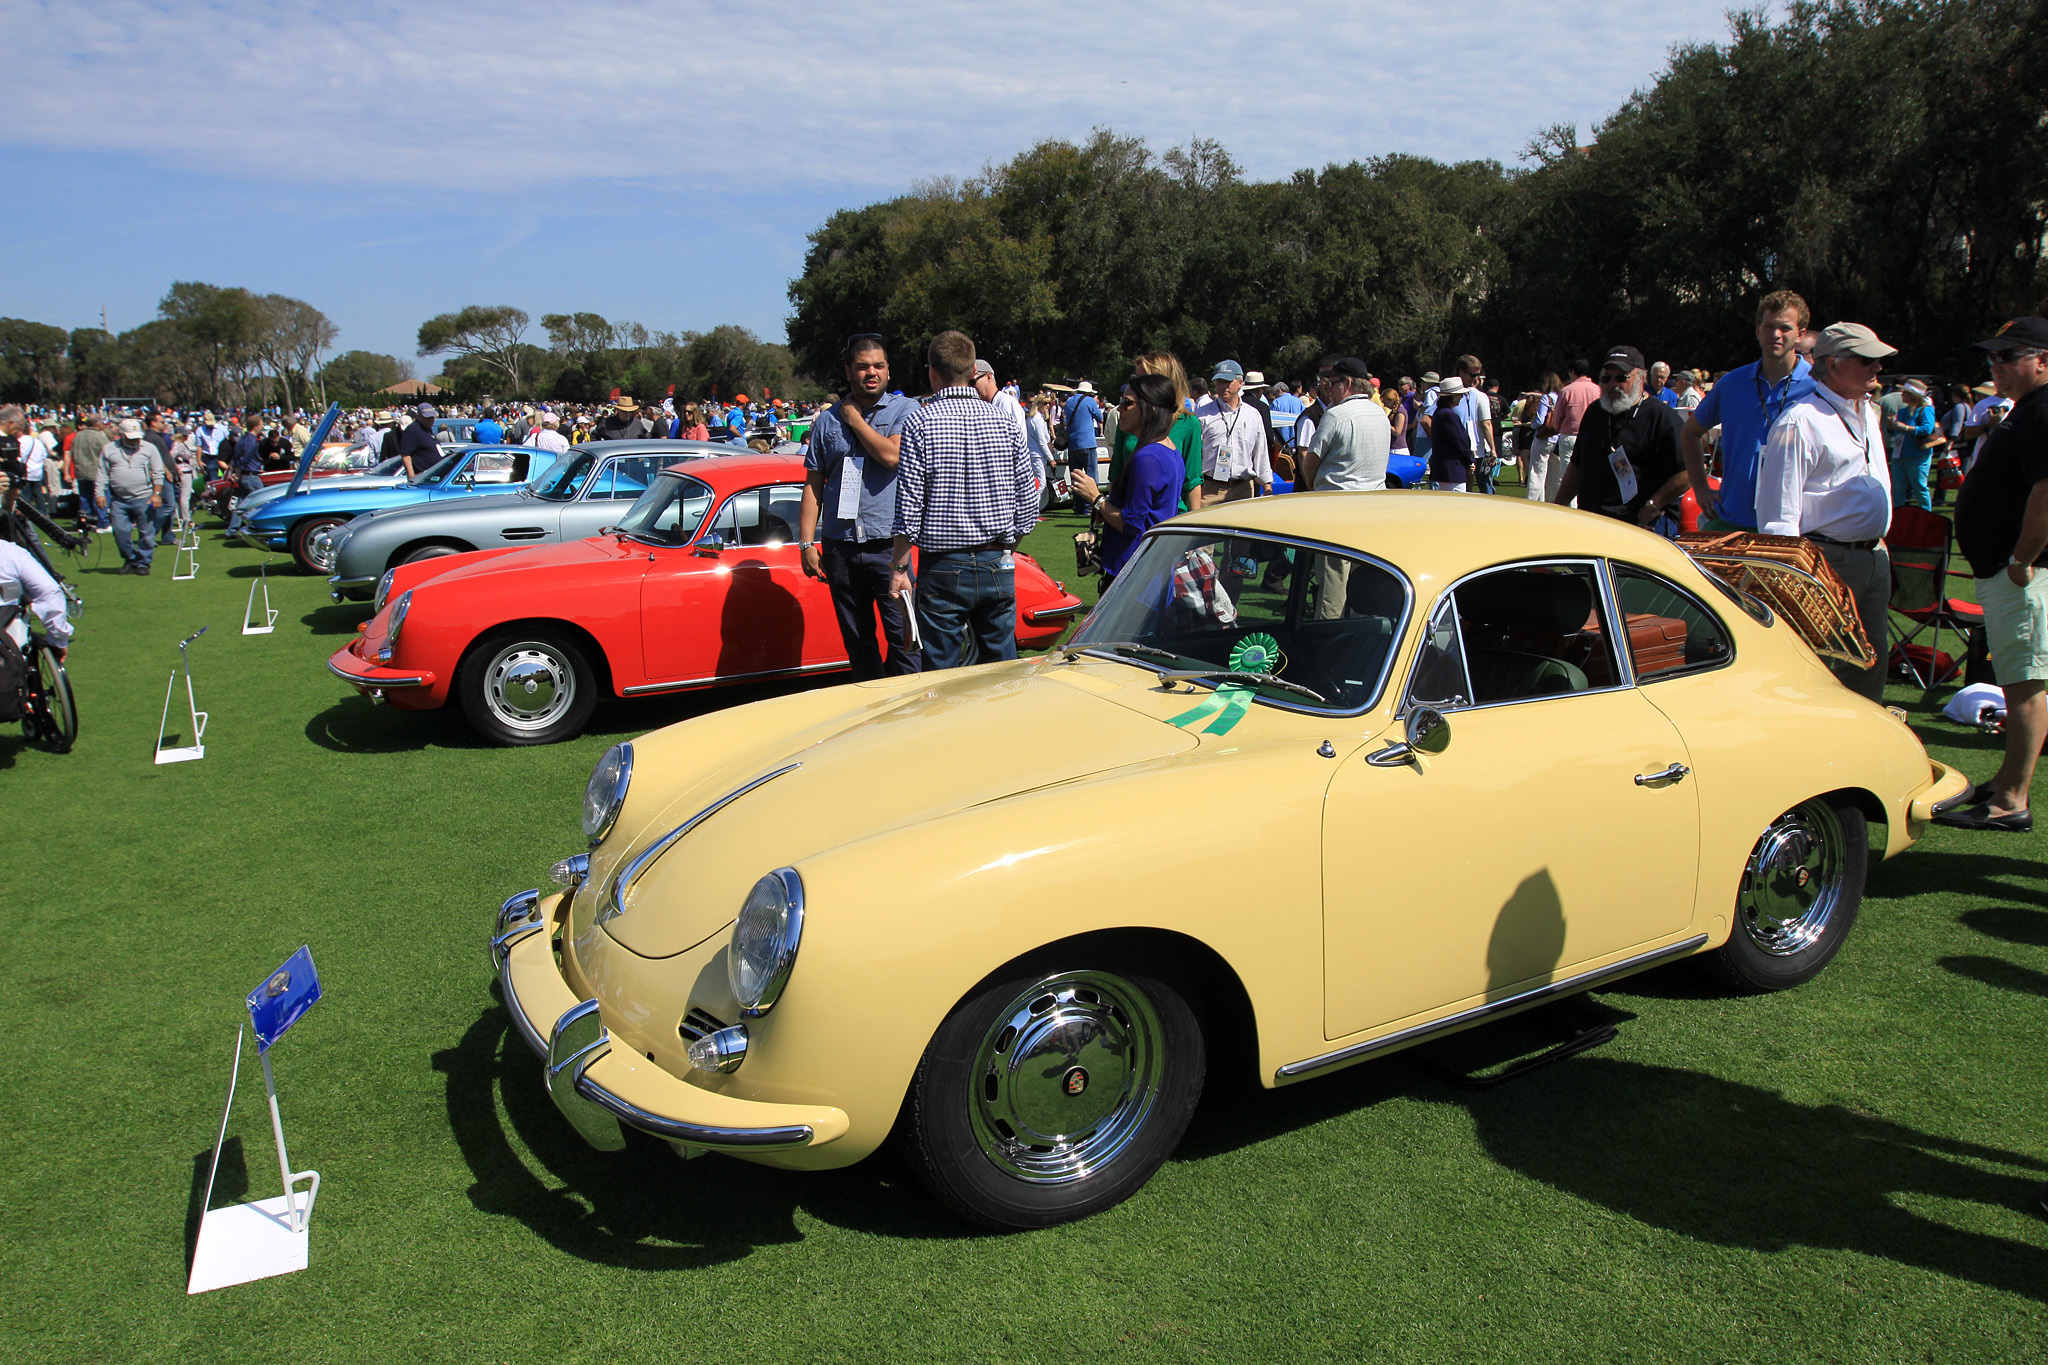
x=849 y=488
x=1624 y=473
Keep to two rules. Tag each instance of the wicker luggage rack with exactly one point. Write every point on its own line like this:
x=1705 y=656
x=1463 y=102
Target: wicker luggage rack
x=1789 y=575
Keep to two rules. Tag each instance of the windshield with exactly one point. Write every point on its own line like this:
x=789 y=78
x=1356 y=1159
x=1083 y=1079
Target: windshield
x=1315 y=618
x=564 y=478
x=669 y=512
x=441 y=468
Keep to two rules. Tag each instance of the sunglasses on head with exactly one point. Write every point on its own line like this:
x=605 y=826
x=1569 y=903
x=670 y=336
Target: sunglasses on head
x=859 y=338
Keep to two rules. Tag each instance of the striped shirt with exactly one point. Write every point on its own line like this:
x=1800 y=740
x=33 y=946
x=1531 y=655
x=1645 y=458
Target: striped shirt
x=964 y=479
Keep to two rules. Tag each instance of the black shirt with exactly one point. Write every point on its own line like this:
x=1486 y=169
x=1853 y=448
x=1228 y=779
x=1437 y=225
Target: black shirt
x=1649 y=437
x=1993 y=503
x=418 y=441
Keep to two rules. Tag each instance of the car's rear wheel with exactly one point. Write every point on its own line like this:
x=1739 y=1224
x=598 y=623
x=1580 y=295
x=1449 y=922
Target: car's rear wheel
x=1799 y=895
x=311 y=546
x=1048 y=1096
x=527 y=685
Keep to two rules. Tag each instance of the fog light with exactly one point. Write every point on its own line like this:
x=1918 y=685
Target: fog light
x=570 y=870
x=720 y=1051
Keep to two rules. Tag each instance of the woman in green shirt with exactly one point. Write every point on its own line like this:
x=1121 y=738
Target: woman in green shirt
x=1186 y=433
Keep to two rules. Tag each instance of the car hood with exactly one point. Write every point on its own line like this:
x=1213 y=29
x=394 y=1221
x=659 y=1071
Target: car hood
x=316 y=500
x=906 y=760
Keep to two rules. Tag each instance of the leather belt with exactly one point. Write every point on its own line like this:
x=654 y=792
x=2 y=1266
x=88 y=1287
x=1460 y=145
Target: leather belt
x=1846 y=544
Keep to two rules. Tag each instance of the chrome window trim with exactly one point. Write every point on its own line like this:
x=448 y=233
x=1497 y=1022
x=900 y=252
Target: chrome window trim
x=1396 y=635
x=1407 y=693
x=1583 y=981
x=1693 y=670
x=614 y=903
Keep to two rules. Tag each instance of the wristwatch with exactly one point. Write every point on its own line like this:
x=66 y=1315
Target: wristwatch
x=806 y=544
x=901 y=568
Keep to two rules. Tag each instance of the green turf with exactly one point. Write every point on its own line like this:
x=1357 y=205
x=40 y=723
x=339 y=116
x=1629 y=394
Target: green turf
x=1841 y=1173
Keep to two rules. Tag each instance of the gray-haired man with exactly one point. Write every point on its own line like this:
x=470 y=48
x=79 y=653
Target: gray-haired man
x=131 y=485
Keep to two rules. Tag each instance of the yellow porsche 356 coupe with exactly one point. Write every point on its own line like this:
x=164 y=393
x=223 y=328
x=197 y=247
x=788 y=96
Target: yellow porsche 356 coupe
x=1013 y=911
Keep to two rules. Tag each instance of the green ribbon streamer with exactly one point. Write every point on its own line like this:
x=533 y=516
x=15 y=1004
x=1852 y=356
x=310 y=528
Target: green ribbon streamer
x=1227 y=704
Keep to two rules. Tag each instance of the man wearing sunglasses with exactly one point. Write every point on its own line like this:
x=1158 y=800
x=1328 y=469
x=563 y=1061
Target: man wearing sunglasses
x=1824 y=474
x=2002 y=529
x=1625 y=463
x=850 y=487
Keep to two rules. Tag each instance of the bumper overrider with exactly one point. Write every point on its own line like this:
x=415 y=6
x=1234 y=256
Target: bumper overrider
x=371 y=679
x=598 y=1087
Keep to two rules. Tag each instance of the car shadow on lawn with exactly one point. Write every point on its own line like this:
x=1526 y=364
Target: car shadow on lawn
x=339 y=619
x=356 y=726
x=644 y=1208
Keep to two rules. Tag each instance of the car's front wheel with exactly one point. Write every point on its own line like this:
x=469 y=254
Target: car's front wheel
x=438 y=551
x=1049 y=1096
x=1799 y=895
x=312 y=546
x=527 y=685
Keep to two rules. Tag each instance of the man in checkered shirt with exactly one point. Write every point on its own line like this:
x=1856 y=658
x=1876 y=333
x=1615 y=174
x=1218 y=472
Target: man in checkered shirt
x=964 y=497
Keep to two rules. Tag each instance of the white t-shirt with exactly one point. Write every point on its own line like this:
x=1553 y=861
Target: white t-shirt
x=1983 y=409
x=23 y=580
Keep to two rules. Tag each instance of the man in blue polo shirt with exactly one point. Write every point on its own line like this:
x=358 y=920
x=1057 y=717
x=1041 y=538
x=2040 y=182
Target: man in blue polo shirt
x=1083 y=414
x=1744 y=405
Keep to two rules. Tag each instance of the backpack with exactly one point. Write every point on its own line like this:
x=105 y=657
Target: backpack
x=13 y=670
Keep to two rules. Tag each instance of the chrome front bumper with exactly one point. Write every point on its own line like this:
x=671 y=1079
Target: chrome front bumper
x=598 y=1087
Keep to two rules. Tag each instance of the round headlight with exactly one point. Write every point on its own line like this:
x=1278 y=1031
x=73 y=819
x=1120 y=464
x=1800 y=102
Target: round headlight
x=383 y=590
x=764 y=941
x=606 y=794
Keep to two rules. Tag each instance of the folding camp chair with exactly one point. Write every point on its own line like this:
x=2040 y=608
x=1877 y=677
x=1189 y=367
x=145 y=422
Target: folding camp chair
x=1921 y=551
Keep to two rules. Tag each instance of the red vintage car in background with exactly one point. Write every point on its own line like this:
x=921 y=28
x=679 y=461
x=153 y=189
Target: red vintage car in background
x=700 y=584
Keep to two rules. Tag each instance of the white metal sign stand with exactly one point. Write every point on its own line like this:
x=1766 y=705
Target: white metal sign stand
x=249 y=626
x=187 y=534
x=264 y=1237
x=197 y=748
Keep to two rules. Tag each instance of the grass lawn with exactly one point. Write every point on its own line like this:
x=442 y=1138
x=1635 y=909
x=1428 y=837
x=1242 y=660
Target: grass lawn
x=1841 y=1173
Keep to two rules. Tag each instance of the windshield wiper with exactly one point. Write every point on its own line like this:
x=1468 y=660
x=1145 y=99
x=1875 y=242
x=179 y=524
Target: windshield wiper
x=1237 y=675
x=1113 y=648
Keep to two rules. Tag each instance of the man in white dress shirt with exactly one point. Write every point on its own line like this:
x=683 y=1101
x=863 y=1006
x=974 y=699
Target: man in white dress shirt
x=1235 y=460
x=1823 y=475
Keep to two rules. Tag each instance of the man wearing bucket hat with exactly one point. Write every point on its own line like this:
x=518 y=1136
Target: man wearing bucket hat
x=2002 y=529
x=1823 y=475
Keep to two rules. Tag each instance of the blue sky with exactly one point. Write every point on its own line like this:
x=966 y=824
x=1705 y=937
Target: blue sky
x=663 y=163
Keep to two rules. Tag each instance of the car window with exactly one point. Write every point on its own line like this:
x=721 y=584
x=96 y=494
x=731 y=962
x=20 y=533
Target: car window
x=759 y=516
x=564 y=479
x=668 y=513
x=1515 y=634
x=1669 y=630
x=626 y=476
x=498 y=466
x=1313 y=618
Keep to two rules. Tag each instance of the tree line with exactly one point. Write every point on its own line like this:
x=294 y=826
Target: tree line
x=1888 y=159
x=587 y=356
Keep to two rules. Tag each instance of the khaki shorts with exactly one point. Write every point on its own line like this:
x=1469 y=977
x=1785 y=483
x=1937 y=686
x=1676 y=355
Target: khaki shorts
x=2016 y=624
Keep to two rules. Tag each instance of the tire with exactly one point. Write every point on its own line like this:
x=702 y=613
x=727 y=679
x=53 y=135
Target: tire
x=58 y=721
x=1049 y=1096
x=306 y=550
x=428 y=552
x=1394 y=481
x=526 y=685
x=1800 y=892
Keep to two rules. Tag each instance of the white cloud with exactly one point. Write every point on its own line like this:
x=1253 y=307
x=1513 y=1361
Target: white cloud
x=517 y=96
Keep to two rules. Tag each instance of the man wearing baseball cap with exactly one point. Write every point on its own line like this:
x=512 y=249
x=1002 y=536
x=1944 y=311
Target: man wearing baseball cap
x=1235 y=457
x=131 y=484
x=1625 y=463
x=1824 y=475
x=2002 y=529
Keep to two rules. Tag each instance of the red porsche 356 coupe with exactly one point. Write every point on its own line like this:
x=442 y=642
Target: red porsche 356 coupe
x=700 y=584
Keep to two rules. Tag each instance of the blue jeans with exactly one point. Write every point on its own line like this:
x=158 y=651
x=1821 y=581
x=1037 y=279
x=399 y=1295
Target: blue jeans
x=963 y=595
x=858 y=574
x=134 y=514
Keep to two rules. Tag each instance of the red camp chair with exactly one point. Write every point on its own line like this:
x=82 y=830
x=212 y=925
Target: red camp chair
x=1920 y=544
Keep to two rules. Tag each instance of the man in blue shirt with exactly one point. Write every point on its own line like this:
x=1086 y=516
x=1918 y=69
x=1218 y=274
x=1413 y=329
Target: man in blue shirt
x=1286 y=409
x=1744 y=405
x=1660 y=385
x=489 y=432
x=849 y=511
x=1084 y=417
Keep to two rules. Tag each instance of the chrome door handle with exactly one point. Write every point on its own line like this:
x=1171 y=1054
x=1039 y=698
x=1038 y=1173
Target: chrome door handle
x=1674 y=773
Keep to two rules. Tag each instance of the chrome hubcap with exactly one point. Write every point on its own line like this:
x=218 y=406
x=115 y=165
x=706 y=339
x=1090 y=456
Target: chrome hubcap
x=529 y=686
x=320 y=548
x=1793 y=882
x=1066 y=1076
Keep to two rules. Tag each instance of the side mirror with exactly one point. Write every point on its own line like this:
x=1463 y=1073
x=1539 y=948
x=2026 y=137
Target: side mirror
x=711 y=547
x=1428 y=733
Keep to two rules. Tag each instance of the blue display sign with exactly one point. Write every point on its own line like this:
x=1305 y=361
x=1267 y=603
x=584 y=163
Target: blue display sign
x=284 y=995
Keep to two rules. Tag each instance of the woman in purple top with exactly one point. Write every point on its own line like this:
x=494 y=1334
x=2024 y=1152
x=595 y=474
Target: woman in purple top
x=1147 y=492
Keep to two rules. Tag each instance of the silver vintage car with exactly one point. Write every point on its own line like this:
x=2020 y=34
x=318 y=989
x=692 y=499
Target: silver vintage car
x=585 y=490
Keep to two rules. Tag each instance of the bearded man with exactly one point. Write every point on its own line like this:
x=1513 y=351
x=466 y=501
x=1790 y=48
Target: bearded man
x=1626 y=463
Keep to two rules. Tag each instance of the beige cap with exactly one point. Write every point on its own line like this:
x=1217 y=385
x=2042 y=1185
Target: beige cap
x=1852 y=338
x=131 y=430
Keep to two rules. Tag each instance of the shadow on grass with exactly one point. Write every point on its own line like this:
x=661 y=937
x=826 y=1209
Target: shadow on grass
x=1934 y=872
x=1997 y=972
x=339 y=619
x=279 y=568
x=644 y=1208
x=355 y=726
x=1737 y=1166
x=230 y=1186
x=2009 y=923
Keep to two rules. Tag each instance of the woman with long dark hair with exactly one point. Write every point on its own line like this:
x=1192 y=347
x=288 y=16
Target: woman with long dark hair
x=1147 y=490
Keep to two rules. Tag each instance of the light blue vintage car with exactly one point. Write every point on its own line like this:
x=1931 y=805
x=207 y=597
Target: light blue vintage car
x=585 y=490
x=298 y=524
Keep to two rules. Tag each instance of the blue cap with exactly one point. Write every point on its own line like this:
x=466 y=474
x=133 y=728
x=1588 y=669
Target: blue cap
x=1227 y=369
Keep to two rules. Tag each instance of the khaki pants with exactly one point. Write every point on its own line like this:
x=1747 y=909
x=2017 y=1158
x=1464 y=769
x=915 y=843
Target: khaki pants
x=1215 y=491
x=1867 y=574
